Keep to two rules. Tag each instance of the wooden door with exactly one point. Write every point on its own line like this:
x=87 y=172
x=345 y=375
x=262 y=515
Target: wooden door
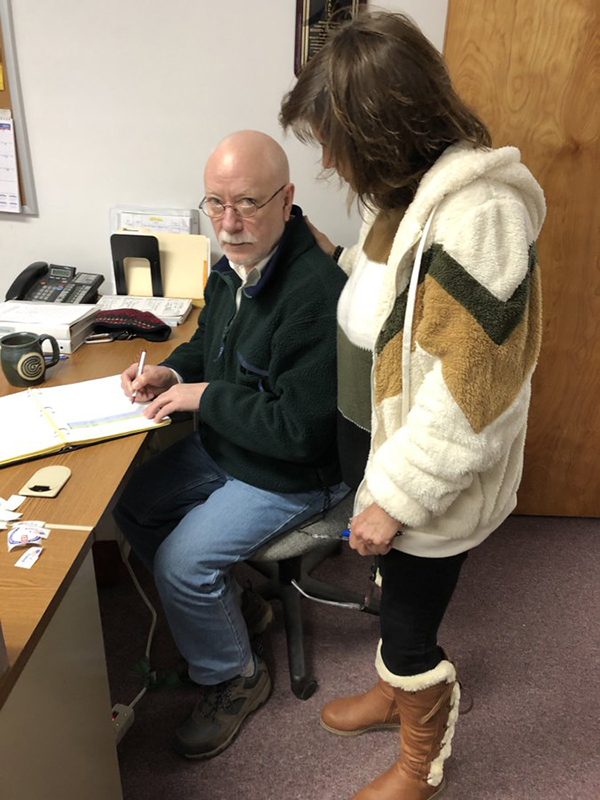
x=531 y=70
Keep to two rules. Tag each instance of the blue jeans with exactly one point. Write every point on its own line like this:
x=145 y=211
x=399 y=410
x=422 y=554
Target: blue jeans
x=189 y=522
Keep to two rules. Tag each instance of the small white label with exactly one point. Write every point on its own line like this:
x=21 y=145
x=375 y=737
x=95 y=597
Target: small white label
x=31 y=523
x=22 y=537
x=29 y=557
x=14 y=501
x=31 y=528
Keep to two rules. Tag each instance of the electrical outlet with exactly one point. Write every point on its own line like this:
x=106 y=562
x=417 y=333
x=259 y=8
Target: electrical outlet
x=122 y=719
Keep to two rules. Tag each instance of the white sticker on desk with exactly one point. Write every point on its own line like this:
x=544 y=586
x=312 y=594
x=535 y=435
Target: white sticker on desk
x=31 y=523
x=29 y=557
x=22 y=537
x=14 y=501
x=31 y=527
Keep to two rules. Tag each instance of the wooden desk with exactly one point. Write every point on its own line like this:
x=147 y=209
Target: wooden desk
x=54 y=700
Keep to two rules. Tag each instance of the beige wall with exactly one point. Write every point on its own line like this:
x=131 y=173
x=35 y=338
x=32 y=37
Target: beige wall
x=123 y=101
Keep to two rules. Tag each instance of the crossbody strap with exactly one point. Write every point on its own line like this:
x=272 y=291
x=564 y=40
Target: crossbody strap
x=408 y=321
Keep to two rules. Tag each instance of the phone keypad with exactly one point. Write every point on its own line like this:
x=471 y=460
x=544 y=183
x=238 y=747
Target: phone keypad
x=65 y=295
x=43 y=294
x=60 y=291
x=78 y=294
x=46 y=292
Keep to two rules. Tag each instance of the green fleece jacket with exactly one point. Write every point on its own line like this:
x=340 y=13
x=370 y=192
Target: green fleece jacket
x=268 y=415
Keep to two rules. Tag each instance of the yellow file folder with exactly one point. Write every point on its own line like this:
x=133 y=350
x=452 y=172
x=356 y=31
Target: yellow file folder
x=184 y=262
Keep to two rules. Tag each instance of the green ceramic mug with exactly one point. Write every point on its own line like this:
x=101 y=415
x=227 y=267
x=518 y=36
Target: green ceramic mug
x=22 y=358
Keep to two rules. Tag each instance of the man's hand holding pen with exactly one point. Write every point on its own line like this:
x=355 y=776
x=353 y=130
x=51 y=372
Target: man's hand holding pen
x=159 y=387
x=149 y=383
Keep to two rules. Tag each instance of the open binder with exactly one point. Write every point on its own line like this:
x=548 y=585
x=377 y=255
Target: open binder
x=37 y=422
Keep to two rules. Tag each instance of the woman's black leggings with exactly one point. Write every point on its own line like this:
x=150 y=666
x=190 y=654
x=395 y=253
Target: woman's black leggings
x=415 y=593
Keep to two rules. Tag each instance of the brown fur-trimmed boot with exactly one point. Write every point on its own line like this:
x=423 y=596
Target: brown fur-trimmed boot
x=374 y=710
x=428 y=707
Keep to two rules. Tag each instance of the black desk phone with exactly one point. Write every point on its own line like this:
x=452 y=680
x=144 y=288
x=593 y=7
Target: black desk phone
x=55 y=284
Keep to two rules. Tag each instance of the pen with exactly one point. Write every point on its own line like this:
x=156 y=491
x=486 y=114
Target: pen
x=140 y=369
x=344 y=535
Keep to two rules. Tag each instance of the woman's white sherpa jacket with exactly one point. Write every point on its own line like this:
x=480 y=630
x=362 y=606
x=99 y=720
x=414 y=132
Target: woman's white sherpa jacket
x=450 y=474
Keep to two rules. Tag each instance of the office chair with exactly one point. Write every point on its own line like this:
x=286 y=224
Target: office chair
x=287 y=562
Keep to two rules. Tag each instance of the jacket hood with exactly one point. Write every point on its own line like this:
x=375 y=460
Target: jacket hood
x=456 y=169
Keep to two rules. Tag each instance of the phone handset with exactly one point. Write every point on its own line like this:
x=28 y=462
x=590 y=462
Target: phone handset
x=26 y=279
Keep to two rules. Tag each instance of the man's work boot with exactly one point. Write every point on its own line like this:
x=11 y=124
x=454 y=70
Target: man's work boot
x=218 y=716
x=374 y=710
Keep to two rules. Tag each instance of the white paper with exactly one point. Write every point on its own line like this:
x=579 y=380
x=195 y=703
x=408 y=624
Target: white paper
x=96 y=409
x=9 y=516
x=14 y=501
x=167 y=220
x=41 y=420
x=9 y=176
x=46 y=313
x=165 y=308
x=29 y=557
x=24 y=430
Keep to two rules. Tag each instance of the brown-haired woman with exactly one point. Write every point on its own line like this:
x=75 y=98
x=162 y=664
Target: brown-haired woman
x=439 y=333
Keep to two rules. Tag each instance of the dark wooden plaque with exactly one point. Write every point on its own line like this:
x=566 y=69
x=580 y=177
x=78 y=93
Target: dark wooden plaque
x=315 y=19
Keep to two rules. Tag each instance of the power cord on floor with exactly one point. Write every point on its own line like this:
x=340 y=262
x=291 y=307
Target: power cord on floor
x=153 y=614
x=122 y=715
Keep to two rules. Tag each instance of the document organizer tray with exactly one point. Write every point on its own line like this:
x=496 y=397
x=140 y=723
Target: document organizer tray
x=182 y=264
x=135 y=246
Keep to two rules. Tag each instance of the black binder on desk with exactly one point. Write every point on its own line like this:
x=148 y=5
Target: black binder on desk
x=136 y=245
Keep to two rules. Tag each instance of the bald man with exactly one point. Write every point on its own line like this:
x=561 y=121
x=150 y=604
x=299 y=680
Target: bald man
x=260 y=372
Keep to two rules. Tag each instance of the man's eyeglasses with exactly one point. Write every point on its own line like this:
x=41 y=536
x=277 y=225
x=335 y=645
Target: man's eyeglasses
x=246 y=207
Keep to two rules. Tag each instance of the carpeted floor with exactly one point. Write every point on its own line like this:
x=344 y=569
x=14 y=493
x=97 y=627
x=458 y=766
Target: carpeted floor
x=523 y=627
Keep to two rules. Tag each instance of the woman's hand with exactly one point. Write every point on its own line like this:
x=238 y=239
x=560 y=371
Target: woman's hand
x=373 y=531
x=324 y=243
x=181 y=397
x=152 y=382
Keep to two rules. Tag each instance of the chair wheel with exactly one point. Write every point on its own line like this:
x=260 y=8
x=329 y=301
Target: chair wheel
x=304 y=688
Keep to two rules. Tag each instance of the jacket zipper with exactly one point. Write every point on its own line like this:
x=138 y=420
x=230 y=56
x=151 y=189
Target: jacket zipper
x=422 y=237
x=230 y=322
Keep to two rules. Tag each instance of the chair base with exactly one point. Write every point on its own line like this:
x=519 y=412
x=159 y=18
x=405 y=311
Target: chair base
x=280 y=575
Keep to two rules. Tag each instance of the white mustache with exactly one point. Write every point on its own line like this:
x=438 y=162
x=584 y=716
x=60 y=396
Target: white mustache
x=236 y=238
